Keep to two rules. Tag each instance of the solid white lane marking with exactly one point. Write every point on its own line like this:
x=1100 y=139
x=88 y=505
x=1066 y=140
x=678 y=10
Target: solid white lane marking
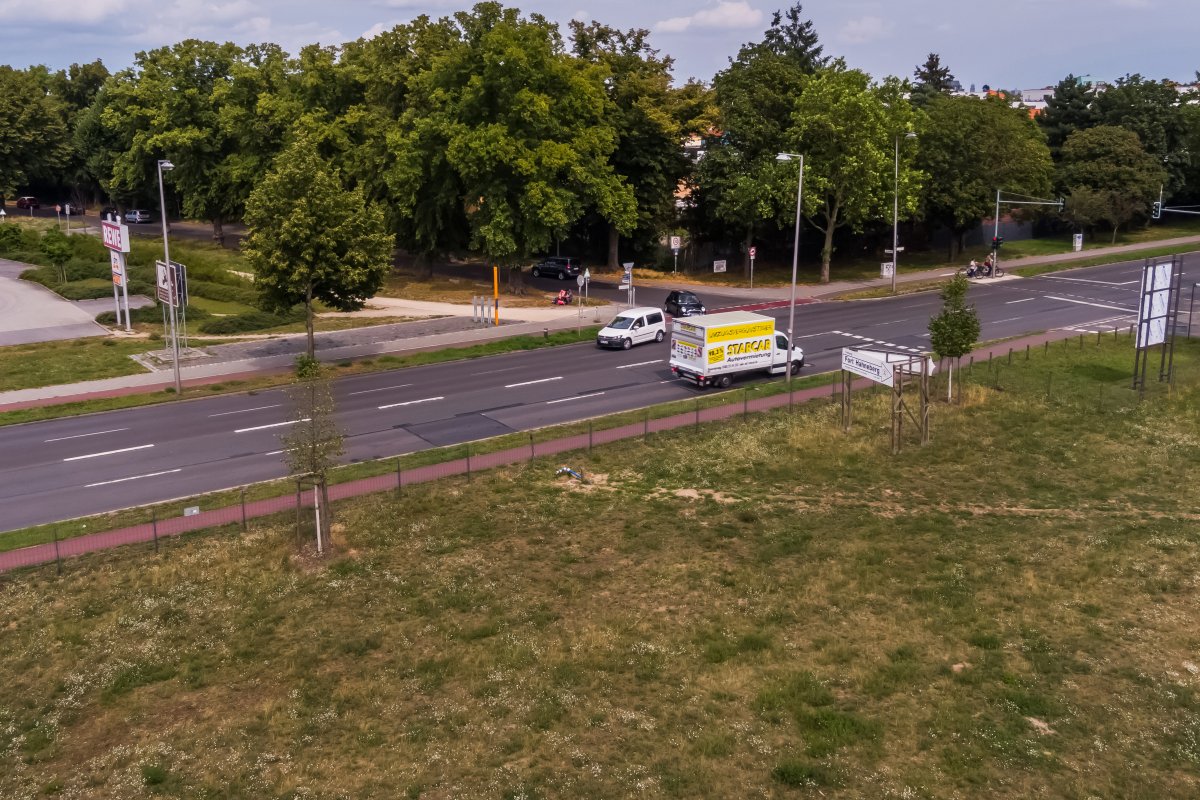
x=272 y=425
x=531 y=383
x=134 y=477
x=1023 y=300
x=640 y=364
x=109 y=452
x=1087 y=303
x=576 y=397
x=1086 y=280
x=411 y=402
x=81 y=435
x=381 y=389
x=245 y=410
x=1010 y=319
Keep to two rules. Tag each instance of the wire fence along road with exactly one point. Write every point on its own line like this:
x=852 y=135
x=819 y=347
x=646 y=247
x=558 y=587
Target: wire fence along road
x=241 y=514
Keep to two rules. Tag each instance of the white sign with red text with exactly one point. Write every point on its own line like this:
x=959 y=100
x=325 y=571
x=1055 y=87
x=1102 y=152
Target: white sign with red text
x=115 y=236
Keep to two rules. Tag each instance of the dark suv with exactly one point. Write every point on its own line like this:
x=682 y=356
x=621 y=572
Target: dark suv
x=561 y=267
x=683 y=304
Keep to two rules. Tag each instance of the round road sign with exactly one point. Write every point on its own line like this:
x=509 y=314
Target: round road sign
x=579 y=281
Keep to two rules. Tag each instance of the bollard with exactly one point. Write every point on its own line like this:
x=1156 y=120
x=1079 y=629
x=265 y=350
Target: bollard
x=545 y=333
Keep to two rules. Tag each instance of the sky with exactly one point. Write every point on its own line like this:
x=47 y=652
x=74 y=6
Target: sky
x=1017 y=44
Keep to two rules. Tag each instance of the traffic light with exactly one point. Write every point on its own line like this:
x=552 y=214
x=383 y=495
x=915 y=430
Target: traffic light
x=1156 y=212
x=997 y=241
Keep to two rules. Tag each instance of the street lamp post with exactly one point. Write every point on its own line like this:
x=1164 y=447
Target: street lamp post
x=164 y=164
x=795 y=261
x=896 y=212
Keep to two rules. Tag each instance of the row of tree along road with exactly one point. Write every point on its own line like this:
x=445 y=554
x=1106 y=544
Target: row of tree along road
x=492 y=133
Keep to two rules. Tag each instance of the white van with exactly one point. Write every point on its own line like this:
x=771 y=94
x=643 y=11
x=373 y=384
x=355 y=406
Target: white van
x=635 y=326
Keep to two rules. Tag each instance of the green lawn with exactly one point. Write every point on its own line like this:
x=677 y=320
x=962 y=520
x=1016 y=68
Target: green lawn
x=767 y=608
x=26 y=366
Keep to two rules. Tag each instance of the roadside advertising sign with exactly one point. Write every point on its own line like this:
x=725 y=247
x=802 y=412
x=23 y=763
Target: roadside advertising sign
x=179 y=276
x=115 y=237
x=1155 y=305
x=164 y=283
x=719 y=266
x=878 y=365
x=118 y=268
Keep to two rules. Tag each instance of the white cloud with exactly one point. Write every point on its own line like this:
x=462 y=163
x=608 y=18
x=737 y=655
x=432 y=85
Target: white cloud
x=77 y=13
x=725 y=15
x=580 y=16
x=864 y=30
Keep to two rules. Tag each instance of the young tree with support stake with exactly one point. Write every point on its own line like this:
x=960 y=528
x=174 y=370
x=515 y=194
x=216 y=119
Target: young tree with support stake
x=955 y=330
x=314 y=443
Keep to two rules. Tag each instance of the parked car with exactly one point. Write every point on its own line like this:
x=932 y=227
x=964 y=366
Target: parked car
x=137 y=215
x=683 y=304
x=28 y=202
x=561 y=267
x=635 y=326
x=109 y=212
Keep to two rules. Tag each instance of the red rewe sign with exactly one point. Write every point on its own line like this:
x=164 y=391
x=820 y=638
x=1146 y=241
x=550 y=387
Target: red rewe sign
x=116 y=237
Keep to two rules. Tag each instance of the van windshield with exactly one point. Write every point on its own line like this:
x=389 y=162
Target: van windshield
x=621 y=323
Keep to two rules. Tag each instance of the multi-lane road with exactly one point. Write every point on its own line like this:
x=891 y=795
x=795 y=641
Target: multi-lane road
x=72 y=467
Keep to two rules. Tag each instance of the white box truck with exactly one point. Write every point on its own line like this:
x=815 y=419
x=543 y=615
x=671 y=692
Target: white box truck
x=713 y=349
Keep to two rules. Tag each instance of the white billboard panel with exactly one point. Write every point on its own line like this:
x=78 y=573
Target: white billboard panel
x=1155 y=307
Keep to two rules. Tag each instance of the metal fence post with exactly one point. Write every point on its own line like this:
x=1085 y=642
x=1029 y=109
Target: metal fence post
x=697 y=412
x=746 y=404
x=589 y=437
x=154 y=527
x=1010 y=355
x=57 y=557
x=1026 y=352
x=645 y=426
x=399 y=479
x=299 y=503
x=468 y=462
x=531 y=446
x=244 y=526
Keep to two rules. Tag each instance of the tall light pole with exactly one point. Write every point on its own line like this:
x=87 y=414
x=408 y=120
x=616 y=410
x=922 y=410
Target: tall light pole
x=164 y=164
x=795 y=260
x=896 y=212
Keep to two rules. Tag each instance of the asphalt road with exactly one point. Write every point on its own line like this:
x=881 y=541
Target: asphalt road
x=77 y=466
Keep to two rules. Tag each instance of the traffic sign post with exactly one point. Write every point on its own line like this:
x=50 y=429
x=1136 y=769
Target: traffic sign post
x=675 y=242
x=753 y=253
x=628 y=282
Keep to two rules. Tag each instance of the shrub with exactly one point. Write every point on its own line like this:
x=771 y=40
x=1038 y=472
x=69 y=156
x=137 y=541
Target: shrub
x=250 y=321
x=149 y=314
x=85 y=290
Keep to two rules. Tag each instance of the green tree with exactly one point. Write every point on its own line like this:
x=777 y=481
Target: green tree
x=738 y=182
x=1068 y=109
x=507 y=137
x=1151 y=109
x=647 y=156
x=311 y=239
x=846 y=126
x=1108 y=176
x=955 y=329
x=969 y=148
x=57 y=248
x=314 y=444
x=33 y=132
x=932 y=78
x=168 y=106
x=77 y=87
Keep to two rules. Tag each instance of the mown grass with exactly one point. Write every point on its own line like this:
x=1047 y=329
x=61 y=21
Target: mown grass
x=762 y=608
x=24 y=366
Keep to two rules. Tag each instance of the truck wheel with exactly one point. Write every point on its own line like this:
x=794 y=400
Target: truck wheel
x=796 y=365
x=723 y=382
x=628 y=343
x=658 y=337
x=535 y=272
x=562 y=276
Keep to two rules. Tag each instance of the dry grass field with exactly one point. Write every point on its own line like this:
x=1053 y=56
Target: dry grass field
x=763 y=608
